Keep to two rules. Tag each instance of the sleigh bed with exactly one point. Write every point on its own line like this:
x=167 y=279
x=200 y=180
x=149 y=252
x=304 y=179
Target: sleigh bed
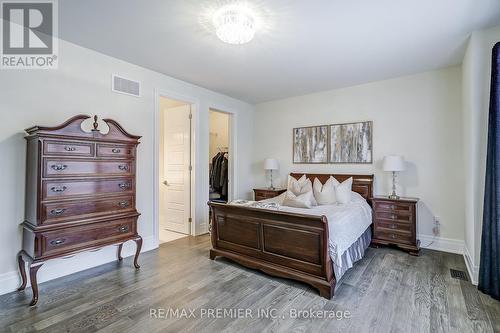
x=279 y=243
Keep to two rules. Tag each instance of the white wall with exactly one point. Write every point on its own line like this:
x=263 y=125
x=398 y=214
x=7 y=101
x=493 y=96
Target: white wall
x=476 y=68
x=417 y=116
x=82 y=85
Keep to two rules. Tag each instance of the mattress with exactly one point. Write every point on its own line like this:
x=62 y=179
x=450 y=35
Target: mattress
x=347 y=227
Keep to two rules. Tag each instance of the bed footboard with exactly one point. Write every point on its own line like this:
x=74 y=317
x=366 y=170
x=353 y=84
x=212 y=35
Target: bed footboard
x=278 y=243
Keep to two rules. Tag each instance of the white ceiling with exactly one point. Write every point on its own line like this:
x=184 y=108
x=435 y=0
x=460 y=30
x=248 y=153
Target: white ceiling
x=303 y=46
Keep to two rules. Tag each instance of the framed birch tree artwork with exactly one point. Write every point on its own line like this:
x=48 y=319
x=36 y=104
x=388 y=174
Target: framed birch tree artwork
x=310 y=144
x=351 y=143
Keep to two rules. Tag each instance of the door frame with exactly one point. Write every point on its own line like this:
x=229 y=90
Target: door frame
x=232 y=186
x=195 y=107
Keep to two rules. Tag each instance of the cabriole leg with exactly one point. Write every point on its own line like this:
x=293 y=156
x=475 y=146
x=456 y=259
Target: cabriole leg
x=34 y=284
x=138 y=242
x=22 y=270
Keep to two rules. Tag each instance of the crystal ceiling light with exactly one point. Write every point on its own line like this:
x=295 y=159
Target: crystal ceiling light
x=234 y=24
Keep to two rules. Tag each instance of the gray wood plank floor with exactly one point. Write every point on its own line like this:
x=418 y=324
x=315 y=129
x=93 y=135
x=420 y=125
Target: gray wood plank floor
x=387 y=291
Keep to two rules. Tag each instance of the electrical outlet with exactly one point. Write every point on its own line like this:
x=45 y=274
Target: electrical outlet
x=437 y=226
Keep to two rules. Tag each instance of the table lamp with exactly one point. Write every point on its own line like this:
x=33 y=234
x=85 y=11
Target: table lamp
x=271 y=164
x=394 y=163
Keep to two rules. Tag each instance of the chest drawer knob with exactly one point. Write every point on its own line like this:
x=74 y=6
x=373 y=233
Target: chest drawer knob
x=124 y=186
x=393 y=226
x=116 y=151
x=393 y=216
x=123 y=228
x=393 y=236
x=123 y=204
x=57 y=211
x=68 y=148
x=59 y=167
x=57 y=242
x=123 y=167
x=58 y=189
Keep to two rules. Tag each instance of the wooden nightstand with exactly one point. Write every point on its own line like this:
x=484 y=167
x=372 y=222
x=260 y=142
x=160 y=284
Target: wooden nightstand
x=395 y=223
x=265 y=193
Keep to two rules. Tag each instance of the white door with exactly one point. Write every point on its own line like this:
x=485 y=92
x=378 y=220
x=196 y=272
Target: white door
x=177 y=183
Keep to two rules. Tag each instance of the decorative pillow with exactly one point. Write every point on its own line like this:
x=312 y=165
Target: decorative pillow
x=303 y=200
x=343 y=191
x=325 y=193
x=300 y=186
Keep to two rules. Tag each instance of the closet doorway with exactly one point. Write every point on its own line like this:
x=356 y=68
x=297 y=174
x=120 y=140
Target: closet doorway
x=175 y=169
x=219 y=158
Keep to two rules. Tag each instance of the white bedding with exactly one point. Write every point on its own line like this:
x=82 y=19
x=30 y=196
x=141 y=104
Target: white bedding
x=346 y=222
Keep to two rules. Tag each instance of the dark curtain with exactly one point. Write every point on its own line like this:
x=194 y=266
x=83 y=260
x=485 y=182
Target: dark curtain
x=489 y=268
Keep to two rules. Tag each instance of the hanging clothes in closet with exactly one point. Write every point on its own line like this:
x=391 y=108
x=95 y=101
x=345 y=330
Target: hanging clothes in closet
x=219 y=175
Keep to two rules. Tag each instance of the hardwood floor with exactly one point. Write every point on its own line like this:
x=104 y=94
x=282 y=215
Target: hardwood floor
x=387 y=291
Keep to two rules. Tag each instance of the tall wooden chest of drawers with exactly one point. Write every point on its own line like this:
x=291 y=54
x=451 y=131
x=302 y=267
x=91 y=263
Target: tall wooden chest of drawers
x=395 y=223
x=80 y=193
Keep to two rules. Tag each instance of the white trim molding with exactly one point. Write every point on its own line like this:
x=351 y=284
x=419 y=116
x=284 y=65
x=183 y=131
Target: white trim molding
x=472 y=269
x=56 y=268
x=441 y=244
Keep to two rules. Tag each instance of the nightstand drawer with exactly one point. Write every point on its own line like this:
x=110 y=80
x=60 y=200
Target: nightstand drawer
x=393 y=225
x=262 y=194
x=399 y=217
x=394 y=235
x=388 y=206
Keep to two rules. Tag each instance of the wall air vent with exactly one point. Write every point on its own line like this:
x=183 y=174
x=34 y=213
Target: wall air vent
x=125 y=86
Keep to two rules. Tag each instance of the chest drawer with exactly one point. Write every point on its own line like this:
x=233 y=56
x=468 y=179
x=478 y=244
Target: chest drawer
x=393 y=207
x=79 y=237
x=394 y=216
x=53 y=213
x=57 y=189
x=117 y=151
x=68 y=148
x=396 y=236
x=266 y=194
x=393 y=225
x=65 y=168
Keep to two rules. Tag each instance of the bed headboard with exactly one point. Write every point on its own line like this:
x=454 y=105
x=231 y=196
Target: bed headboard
x=362 y=184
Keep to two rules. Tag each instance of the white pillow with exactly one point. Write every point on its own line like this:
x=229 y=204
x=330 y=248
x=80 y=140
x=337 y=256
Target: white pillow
x=325 y=193
x=343 y=191
x=300 y=186
x=303 y=200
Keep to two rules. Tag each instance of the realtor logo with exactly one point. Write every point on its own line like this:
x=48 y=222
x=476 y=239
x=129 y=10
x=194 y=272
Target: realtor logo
x=28 y=35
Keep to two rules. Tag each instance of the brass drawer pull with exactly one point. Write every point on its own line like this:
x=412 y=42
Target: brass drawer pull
x=57 y=242
x=123 y=204
x=58 y=188
x=124 y=186
x=57 y=211
x=116 y=150
x=58 y=167
x=123 y=167
x=68 y=148
x=123 y=228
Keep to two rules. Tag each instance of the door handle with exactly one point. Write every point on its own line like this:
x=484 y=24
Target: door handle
x=166 y=183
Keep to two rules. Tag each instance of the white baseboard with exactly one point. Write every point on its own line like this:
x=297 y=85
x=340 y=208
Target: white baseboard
x=472 y=269
x=56 y=268
x=441 y=244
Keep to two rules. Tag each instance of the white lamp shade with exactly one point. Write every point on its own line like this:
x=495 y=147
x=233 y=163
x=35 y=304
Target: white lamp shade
x=394 y=163
x=271 y=164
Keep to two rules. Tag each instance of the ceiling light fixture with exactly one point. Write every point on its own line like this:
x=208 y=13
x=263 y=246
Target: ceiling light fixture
x=234 y=24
